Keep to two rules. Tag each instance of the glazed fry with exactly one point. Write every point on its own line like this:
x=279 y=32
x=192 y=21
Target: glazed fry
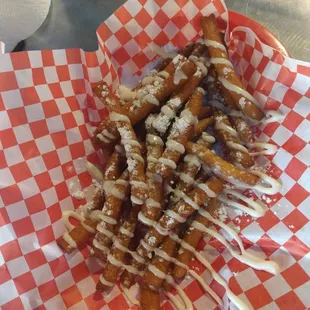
x=119 y=249
x=226 y=74
x=175 y=103
x=220 y=166
x=109 y=216
x=179 y=135
x=135 y=161
x=191 y=239
x=76 y=236
x=182 y=210
x=237 y=152
x=200 y=127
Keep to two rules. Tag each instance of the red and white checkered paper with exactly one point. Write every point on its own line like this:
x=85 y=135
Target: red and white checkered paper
x=47 y=109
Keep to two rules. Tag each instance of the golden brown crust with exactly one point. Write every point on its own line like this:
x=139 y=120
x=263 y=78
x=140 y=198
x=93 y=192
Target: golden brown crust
x=220 y=165
x=211 y=32
x=79 y=234
x=192 y=237
x=196 y=197
x=111 y=270
x=237 y=152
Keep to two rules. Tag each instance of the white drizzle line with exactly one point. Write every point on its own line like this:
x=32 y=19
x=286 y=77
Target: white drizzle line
x=69 y=240
x=237 y=301
x=223 y=126
x=266 y=148
x=116 y=117
x=67 y=214
x=214 y=44
x=168 y=162
x=273 y=116
x=100 y=246
x=236 y=146
x=237 y=90
x=256 y=209
x=221 y=61
x=244 y=257
x=129 y=296
x=104 y=281
x=161 y=52
x=154 y=140
x=94 y=172
x=192 y=160
x=170 y=279
x=273 y=189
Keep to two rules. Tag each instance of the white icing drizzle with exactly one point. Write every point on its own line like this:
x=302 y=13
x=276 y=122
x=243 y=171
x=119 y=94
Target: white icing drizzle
x=201 y=90
x=146 y=221
x=175 y=216
x=66 y=236
x=109 y=135
x=236 y=146
x=116 y=117
x=192 y=160
x=126 y=232
x=126 y=94
x=152 y=159
x=207 y=137
x=121 y=182
x=255 y=210
x=129 y=296
x=178 y=76
x=133 y=270
x=223 y=126
x=274 y=188
x=100 y=246
x=161 y=52
x=164 y=74
x=244 y=257
x=104 y=231
x=170 y=279
x=266 y=148
x=117 y=194
x=192 y=203
x=135 y=156
x=214 y=44
x=158 y=273
x=105 y=282
x=237 y=301
x=204 y=187
x=167 y=111
x=221 y=61
x=131 y=142
x=186 y=178
x=139 y=184
x=102 y=138
x=152 y=203
x=67 y=214
x=94 y=172
x=168 y=162
x=146 y=246
x=206 y=287
x=237 y=90
x=273 y=116
x=155 y=140
x=107 y=185
x=136 y=200
x=147 y=80
x=161 y=230
x=175 y=146
x=114 y=261
x=151 y=99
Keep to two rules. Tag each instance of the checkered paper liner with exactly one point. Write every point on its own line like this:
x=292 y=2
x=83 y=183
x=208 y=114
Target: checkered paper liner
x=47 y=111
